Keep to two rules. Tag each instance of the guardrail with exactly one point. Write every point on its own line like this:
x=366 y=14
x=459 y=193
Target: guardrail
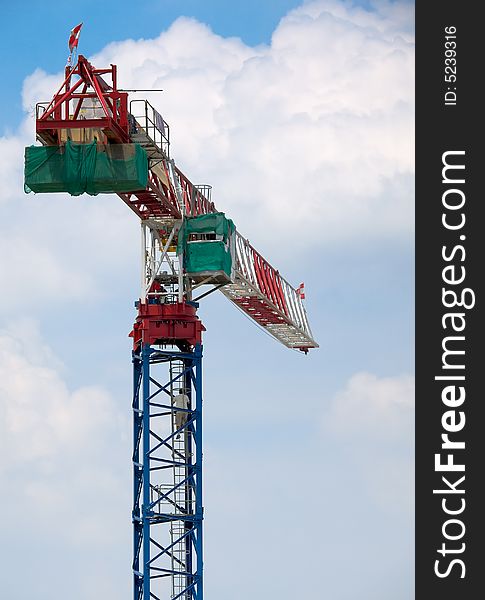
x=155 y=127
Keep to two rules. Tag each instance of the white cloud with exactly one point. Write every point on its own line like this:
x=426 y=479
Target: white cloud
x=11 y=166
x=55 y=248
x=35 y=274
x=64 y=459
x=373 y=406
x=372 y=418
x=307 y=141
x=42 y=418
x=309 y=136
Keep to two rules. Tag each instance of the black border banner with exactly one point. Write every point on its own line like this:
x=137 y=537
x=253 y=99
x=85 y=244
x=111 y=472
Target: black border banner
x=450 y=422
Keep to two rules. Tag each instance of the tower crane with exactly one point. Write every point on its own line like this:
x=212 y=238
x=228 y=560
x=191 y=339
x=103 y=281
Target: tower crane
x=94 y=139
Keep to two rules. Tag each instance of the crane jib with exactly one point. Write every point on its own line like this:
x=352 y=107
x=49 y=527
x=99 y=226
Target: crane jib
x=86 y=110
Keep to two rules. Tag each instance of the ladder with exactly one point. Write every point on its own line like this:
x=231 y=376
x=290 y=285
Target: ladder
x=183 y=497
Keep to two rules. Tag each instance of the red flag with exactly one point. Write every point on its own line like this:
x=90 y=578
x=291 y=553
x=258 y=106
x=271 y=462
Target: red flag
x=300 y=290
x=74 y=37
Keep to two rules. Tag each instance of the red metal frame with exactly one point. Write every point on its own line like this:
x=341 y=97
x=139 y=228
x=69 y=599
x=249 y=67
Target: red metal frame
x=160 y=200
x=64 y=108
x=167 y=324
x=260 y=310
x=269 y=281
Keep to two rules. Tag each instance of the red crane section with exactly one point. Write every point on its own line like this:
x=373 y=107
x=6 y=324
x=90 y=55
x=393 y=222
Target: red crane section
x=110 y=117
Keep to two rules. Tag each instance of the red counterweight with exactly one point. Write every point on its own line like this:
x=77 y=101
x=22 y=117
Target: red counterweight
x=176 y=324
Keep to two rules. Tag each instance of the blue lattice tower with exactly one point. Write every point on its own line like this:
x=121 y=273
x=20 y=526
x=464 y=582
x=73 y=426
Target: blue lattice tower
x=167 y=467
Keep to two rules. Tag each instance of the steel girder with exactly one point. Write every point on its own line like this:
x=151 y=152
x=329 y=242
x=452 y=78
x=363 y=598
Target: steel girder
x=167 y=469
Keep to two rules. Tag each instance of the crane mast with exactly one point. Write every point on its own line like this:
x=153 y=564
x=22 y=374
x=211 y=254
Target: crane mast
x=94 y=140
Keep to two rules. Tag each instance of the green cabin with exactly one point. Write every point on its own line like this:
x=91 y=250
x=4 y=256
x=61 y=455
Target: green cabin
x=208 y=246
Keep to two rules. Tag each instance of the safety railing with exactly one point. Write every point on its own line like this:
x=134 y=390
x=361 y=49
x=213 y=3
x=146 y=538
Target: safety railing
x=205 y=190
x=40 y=109
x=268 y=282
x=142 y=114
x=196 y=199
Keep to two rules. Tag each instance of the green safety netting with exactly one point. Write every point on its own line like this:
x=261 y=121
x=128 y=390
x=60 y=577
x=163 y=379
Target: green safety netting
x=206 y=257
x=211 y=255
x=92 y=168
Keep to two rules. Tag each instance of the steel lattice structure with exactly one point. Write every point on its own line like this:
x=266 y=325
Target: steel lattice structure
x=167 y=511
x=167 y=474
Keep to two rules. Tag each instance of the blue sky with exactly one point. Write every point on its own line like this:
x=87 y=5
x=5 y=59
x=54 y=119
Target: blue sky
x=304 y=127
x=47 y=26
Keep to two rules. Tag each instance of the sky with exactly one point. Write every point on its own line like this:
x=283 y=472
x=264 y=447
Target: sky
x=301 y=116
